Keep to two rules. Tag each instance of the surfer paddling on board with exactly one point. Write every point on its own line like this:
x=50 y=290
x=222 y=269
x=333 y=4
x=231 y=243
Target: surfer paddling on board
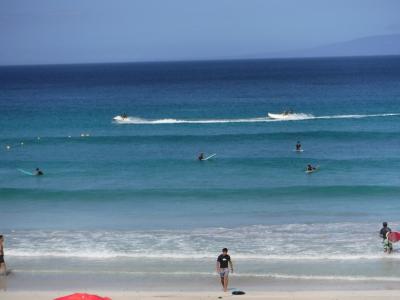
x=3 y=268
x=39 y=172
x=311 y=168
x=223 y=264
x=201 y=156
x=387 y=245
x=298 y=146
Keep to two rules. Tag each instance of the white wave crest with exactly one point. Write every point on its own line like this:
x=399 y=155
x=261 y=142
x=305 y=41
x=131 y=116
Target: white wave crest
x=138 y=121
x=255 y=242
x=292 y=117
x=357 y=116
x=86 y=254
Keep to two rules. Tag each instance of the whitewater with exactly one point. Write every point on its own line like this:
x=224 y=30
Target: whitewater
x=293 y=117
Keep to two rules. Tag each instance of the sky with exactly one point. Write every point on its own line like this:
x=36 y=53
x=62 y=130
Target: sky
x=85 y=31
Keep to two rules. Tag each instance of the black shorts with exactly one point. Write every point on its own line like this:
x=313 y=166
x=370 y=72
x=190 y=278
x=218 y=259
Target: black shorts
x=1 y=259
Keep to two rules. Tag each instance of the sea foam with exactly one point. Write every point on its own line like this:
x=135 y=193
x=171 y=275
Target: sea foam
x=293 y=117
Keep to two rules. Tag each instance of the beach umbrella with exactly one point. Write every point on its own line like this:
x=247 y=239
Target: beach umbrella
x=82 y=296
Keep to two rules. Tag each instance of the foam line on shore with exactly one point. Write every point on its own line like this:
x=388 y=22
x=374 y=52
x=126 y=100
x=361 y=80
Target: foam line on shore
x=207 y=274
x=169 y=256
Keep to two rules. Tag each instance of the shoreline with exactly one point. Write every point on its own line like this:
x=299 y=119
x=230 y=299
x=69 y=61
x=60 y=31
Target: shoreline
x=20 y=282
x=282 y=295
x=161 y=275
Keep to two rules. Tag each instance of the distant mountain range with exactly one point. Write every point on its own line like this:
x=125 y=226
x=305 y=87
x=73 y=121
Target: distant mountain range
x=366 y=46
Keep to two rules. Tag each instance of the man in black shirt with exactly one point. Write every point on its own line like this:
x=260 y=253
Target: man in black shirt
x=223 y=264
x=387 y=245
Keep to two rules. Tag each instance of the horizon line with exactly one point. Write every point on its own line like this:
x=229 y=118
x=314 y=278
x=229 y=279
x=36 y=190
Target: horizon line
x=197 y=60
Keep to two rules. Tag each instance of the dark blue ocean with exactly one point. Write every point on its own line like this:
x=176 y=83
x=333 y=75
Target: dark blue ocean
x=134 y=190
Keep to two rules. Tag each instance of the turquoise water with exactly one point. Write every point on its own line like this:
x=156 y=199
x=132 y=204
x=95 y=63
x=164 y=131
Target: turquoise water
x=135 y=191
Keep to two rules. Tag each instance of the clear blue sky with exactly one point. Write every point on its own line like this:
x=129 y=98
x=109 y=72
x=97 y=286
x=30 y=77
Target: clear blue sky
x=68 y=31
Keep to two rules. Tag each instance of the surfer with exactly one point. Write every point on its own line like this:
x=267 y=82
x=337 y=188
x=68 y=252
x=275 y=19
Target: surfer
x=39 y=172
x=311 y=168
x=387 y=245
x=3 y=268
x=298 y=146
x=201 y=156
x=223 y=264
x=124 y=116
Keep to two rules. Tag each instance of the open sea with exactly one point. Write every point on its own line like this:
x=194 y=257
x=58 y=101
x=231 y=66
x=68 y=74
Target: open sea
x=131 y=198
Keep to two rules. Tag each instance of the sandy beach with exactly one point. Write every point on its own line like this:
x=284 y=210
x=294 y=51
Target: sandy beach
x=303 y=295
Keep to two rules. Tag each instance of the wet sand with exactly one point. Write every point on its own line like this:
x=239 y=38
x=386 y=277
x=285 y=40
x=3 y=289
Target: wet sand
x=303 y=295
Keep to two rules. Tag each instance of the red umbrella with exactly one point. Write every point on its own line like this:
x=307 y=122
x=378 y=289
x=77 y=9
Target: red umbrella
x=81 y=296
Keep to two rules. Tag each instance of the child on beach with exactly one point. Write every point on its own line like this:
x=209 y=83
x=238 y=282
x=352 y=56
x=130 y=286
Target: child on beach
x=3 y=269
x=223 y=263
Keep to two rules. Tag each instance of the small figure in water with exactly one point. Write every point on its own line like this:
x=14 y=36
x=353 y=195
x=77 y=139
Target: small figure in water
x=124 y=116
x=311 y=168
x=39 y=172
x=3 y=268
x=223 y=264
x=387 y=245
x=201 y=156
x=298 y=146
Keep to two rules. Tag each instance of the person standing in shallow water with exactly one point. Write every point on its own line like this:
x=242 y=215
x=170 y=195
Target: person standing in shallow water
x=3 y=268
x=387 y=245
x=223 y=263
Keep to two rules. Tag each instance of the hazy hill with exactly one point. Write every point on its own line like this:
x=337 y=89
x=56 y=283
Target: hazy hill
x=372 y=45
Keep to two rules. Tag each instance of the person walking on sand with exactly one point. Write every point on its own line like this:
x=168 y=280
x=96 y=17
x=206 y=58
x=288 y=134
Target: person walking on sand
x=387 y=245
x=3 y=268
x=223 y=263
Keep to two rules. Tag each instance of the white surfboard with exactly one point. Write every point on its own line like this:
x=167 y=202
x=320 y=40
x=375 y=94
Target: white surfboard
x=312 y=171
x=300 y=150
x=210 y=156
x=26 y=172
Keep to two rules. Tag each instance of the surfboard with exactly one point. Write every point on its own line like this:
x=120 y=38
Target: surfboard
x=393 y=236
x=26 y=172
x=301 y=150
x=210 y=156
x=312 y=171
